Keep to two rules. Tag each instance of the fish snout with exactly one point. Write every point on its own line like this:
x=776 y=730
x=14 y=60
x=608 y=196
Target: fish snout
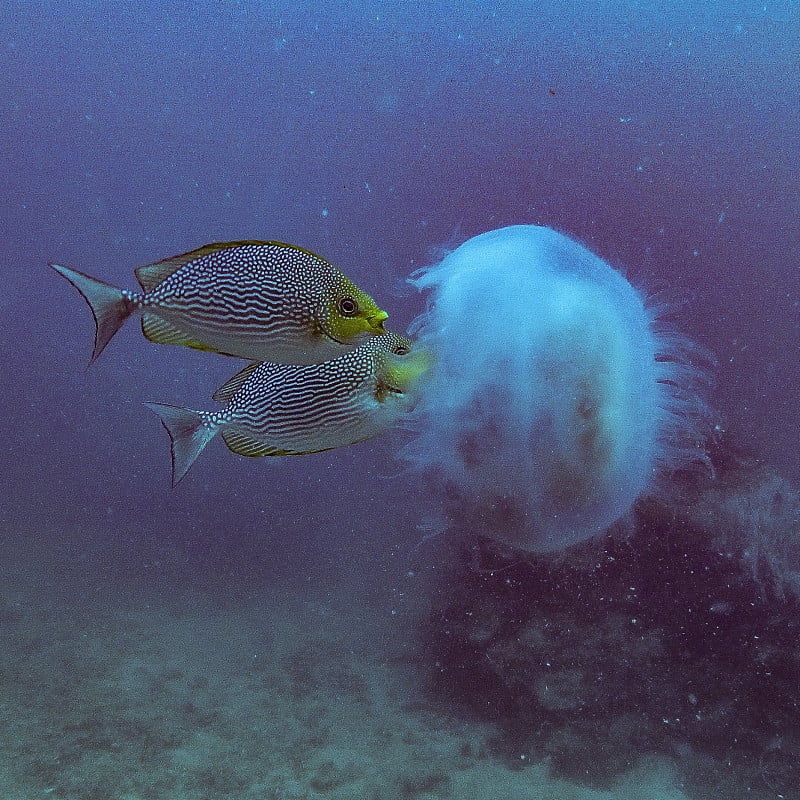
x=376 y=320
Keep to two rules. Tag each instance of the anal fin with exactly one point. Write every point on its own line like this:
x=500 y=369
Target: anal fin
x=244 y=445
x=160 y=331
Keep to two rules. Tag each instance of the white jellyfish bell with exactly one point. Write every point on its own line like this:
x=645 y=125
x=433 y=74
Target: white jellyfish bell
x=557 y=397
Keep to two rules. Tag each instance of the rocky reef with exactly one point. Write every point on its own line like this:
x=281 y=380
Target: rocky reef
x=679 y=637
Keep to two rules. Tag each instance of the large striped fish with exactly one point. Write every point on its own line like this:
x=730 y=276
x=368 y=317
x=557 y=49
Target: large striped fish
x=285 y=409
x=265 y=301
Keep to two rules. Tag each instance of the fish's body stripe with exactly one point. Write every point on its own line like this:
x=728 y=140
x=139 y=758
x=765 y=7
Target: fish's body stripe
x=316 y=407
x=264 y=301
x=238 y=300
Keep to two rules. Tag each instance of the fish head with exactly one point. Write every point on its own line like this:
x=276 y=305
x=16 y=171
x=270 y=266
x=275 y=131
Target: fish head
x=349 y=315
x=400 y=368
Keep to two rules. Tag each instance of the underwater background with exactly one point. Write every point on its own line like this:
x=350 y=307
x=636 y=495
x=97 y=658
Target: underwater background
x=274 y=628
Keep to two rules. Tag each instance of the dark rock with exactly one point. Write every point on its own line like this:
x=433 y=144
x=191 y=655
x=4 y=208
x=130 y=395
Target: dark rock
x=666 y=640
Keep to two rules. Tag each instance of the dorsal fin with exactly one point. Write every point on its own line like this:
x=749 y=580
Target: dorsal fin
x=150 y=275
x=229 y=389
x=244 y=445
x=162 y=332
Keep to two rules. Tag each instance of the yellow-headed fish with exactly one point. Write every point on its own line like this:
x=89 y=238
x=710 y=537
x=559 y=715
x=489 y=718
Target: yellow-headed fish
x=265 y=301
x=285 y=409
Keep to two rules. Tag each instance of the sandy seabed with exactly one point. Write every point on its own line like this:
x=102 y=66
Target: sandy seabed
x=156 y=687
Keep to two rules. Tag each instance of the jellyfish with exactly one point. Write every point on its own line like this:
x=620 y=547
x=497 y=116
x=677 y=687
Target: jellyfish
x=559 y=394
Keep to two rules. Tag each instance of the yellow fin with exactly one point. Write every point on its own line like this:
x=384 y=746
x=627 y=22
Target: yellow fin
x=229 y=389
x=244 y=445
x=161 y=332
x=150 y=275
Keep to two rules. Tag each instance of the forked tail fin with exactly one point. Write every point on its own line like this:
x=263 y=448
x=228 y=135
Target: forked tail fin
x=189 y=434
x=110 y=306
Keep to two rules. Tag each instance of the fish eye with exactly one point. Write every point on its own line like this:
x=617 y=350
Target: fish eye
x=348 y=307
x=401 y=350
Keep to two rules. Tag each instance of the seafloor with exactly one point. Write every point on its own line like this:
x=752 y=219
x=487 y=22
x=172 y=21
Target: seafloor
x=658 y=664
x=154 y=685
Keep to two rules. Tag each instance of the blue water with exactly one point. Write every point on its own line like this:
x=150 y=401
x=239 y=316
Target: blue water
x=663 y=136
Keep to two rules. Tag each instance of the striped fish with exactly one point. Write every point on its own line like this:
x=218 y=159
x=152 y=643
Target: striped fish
x=285 y=409
x=265 y=301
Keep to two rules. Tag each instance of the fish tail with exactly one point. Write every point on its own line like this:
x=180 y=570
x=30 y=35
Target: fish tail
x=110 y=306
x=189 y=433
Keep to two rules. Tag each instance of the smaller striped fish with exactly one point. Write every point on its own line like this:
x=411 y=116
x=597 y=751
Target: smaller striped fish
x=285 y=409
x=260 y=300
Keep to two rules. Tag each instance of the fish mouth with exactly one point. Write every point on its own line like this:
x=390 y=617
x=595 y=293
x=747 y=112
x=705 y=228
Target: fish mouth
x=376 y=321
x=384 y=389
